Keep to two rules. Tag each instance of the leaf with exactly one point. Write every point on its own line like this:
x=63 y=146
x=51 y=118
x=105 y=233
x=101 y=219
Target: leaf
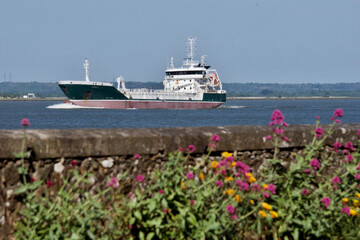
x=296 y=234
x=141 y=236
x=138 y=215
x=152 y=206
x=192 y=219
x=150 y=236
x=23 y=188
x=164 y=203
x=154 y=222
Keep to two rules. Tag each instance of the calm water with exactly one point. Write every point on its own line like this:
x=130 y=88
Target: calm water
x=233 y=112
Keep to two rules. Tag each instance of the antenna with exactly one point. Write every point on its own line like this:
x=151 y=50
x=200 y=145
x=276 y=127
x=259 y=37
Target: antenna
x=86 y=67
x=203 y=60
x=171 y=63
x=190 y=47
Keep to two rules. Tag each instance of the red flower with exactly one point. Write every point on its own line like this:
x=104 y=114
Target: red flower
x=338 y=113
x=73 y=163
x=140 y=178
x=32 y=180
x=49 y=184
x=318 y=132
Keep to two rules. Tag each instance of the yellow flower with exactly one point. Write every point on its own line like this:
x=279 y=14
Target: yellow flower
x=229 y=179
x=237 y=198
x=345 y=200
x=233 y=164
x=357 y=195
x=214 y=164
x=182 y=184
x=201 y=176
x=252 y=179
x=266 y=206
x=230 y=192
x=355 y=202
x=251 y=202
x=249 y=175
x=262 y=214
x=226 y=154
x=353 y=212
x=274 y=214
x=264 y=186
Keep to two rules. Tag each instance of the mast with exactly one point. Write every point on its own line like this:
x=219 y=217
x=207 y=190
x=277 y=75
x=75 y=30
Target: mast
x=86 y=67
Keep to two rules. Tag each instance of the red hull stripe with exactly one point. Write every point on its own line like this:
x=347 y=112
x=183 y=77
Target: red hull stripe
x=126 y=104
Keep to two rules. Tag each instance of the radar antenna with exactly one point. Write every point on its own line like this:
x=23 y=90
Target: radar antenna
x=86 y=67
x=190 y=47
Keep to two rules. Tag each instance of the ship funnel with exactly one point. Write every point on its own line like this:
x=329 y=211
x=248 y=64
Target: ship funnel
x=86 y=67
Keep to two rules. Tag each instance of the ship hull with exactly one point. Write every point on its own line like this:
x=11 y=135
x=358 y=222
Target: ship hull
x=144 y=104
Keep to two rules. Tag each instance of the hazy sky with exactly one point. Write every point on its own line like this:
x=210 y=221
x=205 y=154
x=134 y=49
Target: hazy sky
x=262 y=41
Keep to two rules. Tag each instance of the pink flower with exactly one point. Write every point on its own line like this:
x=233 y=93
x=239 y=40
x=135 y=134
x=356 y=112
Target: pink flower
x=350 y=157
x=192 y=202
x=358 y=133
x=189 y=175
x=346 y=210
x=140 y=178
x=267 y=195
x=230 y=209
x=255 y=187
x=338 y=113
x=161 y=191
x=243 y=168
x=267 y=138
x=165 y=210
x=349 y=146
x=219 y=183
x=190 y=148
x=271 y=188
x=73 y=163
x=314 y=164
x=285 y=124
x=25 y=122
x=130 y=226
x=180 y=149
x=307 y=171
x=335 y=180
x=326 y=201
x=357 y=176
x=277 y=117
x=304 y=192
x=234 y=217
x=318 y=132
x=137 y=156
x=317 y=117
x=358 y=167
x=215 y=138
x=49 y=184
x=230 y=159
x=337 y=145
x=286 y=139
x=211 y=145
x=244 y=186
x=113 y=182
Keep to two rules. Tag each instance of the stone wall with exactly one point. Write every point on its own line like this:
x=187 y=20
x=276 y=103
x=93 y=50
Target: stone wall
x=109 y=152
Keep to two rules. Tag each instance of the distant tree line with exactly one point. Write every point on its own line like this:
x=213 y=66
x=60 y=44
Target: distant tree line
x=18 y=89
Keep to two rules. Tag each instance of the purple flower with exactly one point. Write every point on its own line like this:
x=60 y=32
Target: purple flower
x=230 y=209
x=113 y=182
x=338 y=113
x=277 y=117
x=137 y=156
x=244 y=186
x=318 y=132
x=190 y=148
x=255 y=187
x=307 y=171
x=314 y=164
x=215 y=138
x=25 y=122
x=267 y=195
x=140 y=178
x=350 y=158
x=357 y=176
x=189 y=175
x=326 y=201
x=271 y=188
x=346 y=210
x=243 y=168
x=161 y=191
x=335 y=180
x=304 y=192
x=219 y=183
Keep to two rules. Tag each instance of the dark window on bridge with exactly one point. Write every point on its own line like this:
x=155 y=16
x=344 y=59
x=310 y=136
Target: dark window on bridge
x=185 y=73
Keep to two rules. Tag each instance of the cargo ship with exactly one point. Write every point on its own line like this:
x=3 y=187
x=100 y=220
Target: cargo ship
x=194 y=85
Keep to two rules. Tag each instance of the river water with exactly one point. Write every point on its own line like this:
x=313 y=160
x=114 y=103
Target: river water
x=57 y=115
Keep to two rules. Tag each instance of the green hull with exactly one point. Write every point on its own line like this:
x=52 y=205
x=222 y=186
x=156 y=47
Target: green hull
x=98 y=92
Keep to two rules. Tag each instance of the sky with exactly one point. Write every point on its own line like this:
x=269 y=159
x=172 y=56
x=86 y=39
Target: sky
x=259 y=41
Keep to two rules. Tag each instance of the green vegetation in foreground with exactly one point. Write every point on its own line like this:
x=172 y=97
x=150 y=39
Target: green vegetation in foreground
x=201 y=199
x=17 y=89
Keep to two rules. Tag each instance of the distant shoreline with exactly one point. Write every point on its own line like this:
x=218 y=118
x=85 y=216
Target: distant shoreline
x=228 y=98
